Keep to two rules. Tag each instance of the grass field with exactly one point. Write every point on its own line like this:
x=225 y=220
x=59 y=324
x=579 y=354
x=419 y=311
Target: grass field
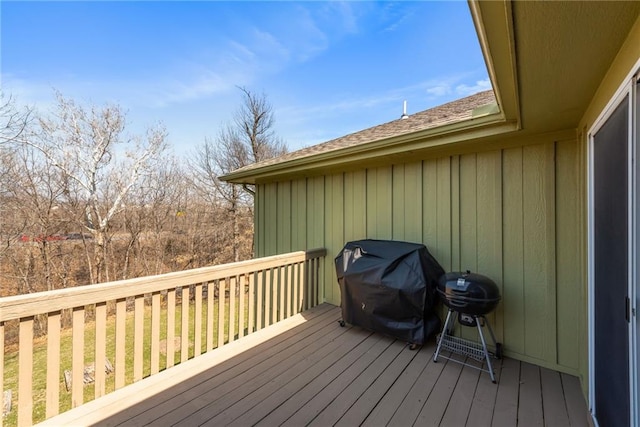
x=40 y=356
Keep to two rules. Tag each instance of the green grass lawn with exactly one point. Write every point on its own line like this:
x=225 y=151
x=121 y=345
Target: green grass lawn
x=40 y=356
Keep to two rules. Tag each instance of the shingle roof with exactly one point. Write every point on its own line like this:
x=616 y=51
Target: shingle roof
x=452 y=112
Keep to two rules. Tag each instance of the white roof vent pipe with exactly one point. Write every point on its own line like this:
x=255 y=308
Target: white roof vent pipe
x=404 y=111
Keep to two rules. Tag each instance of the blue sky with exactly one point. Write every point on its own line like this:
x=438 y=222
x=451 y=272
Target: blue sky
x=328 y=68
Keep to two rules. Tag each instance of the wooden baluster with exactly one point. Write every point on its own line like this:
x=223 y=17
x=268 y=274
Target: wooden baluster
x=289 y=270
x=221 y=310
x=210 y=314
x=260 y=300
x=53 y=364
x=120 y=364
x=155 y=332
x=171 y=327
x=77 y=358
x=184 y=330
x=233 y=283
x=25 y=372
x=241 y=304
x=251 y=325
x=197 y=337
x=138 y=337
x=100 y=350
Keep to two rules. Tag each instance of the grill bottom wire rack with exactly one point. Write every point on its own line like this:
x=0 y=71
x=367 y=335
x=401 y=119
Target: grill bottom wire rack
x=466 y=348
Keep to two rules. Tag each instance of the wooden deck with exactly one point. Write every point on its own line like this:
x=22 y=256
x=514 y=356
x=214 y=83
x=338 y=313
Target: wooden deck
x=318 y=373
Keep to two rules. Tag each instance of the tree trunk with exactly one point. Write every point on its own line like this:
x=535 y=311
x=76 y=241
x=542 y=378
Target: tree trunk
x=98 y=257
x=44 y=254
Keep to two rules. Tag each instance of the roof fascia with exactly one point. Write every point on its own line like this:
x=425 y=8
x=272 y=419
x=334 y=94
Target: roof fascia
x=430 y=138
x=493 y=21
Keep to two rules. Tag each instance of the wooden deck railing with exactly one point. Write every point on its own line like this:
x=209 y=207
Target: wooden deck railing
x=145 y=325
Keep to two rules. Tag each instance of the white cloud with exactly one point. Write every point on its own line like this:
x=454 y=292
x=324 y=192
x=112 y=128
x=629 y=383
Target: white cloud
x=396 y=16
x=466 y=90
x=439 y=90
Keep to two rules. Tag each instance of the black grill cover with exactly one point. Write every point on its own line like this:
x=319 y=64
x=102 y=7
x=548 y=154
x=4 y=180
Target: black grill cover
x=389 y=287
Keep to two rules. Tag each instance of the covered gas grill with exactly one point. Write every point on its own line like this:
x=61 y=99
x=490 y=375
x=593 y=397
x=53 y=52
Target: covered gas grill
x=389 y=287
x=469 y=297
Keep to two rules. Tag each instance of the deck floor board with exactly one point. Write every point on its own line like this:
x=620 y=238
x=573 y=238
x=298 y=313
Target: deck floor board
x=321 y=374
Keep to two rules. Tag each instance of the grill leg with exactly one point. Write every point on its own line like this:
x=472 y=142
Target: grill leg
x=484 y=345
x=445 y=331
x=493 y=337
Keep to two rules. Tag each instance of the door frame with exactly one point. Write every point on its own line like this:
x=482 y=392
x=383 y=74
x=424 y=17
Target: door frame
x=627 y=88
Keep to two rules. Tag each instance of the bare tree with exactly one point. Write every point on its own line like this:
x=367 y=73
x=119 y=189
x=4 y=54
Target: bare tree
x=13 y=125
x=13 y=121
x=249 y=138
x=99 y=163
x=151 y=208
x=37 y=188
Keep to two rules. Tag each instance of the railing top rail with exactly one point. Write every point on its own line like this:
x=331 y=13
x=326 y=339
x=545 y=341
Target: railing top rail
x=20 y=306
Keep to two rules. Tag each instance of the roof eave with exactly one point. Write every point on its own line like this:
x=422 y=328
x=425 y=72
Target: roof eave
x=479 y=127
x=493 y=21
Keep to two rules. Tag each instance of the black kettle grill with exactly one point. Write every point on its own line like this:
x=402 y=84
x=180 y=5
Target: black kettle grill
x=471 y=296
x=468 y=293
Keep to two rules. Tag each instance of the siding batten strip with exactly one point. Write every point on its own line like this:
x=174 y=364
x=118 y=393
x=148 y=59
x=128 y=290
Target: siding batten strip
x=552 y=301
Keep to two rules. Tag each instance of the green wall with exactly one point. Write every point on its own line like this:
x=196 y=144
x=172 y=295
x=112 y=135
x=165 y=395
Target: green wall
x=511 y=214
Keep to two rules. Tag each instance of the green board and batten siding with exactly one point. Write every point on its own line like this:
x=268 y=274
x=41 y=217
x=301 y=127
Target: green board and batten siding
x=511 y=214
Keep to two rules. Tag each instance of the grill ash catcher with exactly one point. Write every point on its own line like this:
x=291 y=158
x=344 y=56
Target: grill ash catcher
x=469 y=297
